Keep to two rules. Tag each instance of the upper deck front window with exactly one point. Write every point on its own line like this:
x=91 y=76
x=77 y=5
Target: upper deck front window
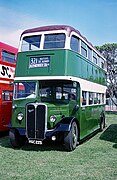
x=31 y=43
x=51 y=41
x=54 y=41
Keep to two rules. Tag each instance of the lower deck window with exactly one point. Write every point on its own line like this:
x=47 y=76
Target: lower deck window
x=92 y=98
x=7 y=95
x=84 y=97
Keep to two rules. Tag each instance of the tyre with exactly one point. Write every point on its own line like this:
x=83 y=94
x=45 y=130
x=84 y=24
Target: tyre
x=71 y=137
x=102 y=123
x=15 y=139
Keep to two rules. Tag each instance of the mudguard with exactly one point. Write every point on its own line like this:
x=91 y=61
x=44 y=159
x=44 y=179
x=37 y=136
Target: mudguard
x=67 y=121
x=63 y=126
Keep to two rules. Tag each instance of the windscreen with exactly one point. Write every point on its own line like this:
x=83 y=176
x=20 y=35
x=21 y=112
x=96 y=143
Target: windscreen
x=57 y=91
x=24 y=90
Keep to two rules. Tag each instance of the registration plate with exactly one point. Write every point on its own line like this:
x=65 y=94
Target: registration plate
x=35 y=141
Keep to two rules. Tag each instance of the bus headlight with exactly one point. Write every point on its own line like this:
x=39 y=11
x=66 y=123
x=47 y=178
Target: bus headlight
x=14 y=106
x=53 y=118
x=20 y=116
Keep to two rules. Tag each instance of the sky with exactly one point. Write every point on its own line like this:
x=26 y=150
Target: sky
x=95 y=19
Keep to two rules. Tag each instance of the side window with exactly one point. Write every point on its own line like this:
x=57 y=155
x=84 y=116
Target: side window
x=84 y=97
x=102 y=63
x=98 y=60
x=74 y=43
x=83 y=49
x=94 y=57
x=8 y=57
x=103 y=98
x=90 y=98
x=7 y=95
x=95 y=98
x=89 y=54
x=100 y=98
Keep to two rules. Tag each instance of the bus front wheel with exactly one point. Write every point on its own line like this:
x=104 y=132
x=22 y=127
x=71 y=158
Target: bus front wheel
x=71 y=137
x=15 y=139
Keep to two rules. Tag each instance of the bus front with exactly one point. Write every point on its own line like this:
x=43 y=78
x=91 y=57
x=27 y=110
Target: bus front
x=45 y=100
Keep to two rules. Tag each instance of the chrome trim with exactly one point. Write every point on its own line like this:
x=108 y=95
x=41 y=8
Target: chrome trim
x=35 y=106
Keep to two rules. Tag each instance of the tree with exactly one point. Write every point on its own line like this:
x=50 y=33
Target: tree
x=109 y=51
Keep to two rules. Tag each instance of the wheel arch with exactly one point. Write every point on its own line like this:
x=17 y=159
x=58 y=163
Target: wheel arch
x=69 y=121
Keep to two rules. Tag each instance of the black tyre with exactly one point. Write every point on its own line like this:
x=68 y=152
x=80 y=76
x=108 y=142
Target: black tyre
x=102 y=123
x=15 y=139
x=71 y=137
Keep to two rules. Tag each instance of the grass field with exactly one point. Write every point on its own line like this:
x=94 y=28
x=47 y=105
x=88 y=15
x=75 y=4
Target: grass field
x=95 y=159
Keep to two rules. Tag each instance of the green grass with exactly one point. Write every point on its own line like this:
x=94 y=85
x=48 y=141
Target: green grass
x=95 y=159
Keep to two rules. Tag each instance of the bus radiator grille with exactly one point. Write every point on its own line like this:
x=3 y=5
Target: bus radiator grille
x=30 y=121
x=36 y=121
x=40 y=122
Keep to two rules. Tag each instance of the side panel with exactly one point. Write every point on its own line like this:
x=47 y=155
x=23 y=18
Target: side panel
x=5 y=106
x=90 y=119
x=7 y=70
x=71 y=63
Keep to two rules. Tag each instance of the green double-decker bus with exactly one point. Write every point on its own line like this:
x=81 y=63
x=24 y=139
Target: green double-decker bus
x=59 y=88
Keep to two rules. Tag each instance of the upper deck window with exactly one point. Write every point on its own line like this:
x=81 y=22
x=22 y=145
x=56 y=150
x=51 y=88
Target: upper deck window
x=31 y=43
x=83 y=49
x=102 y=63
x=54 y=41
x=94 y=57
x=89 y=54
x=74 y=43
x=8 y=57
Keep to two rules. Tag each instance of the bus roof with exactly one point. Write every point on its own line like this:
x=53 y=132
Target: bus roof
x=8 y=48
x=69 y=29
x=50 y=28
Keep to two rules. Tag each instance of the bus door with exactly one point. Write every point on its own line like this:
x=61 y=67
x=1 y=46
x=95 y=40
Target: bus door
x=89 y=116
x=74 y=100
x=6 y=108
x=85 y=118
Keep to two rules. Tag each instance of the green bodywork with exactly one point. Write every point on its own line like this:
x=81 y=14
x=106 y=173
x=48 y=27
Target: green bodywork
x=62 y=63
